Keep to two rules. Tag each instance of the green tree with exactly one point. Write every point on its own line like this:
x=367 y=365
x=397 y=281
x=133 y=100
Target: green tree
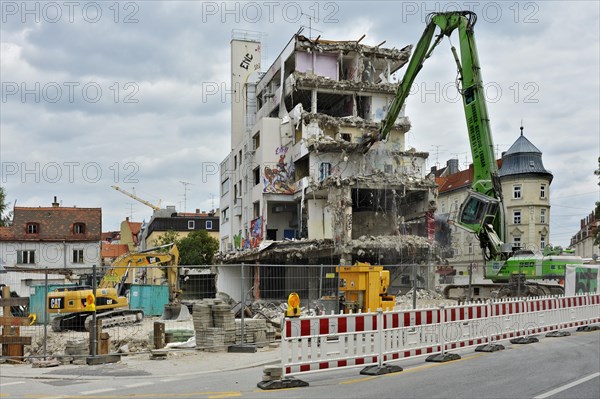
x=167 y=238
x=198 y=248
x=3 y=207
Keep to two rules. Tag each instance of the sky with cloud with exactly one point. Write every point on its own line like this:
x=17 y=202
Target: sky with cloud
x=135 y=93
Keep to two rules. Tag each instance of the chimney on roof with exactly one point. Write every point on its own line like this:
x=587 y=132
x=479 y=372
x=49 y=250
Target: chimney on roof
x=197 y=210
x=433 y=169
x=127 y=219
x=452 y=166
x=55 y=204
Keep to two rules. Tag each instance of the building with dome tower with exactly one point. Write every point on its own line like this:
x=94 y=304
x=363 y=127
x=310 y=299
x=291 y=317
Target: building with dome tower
x=526 y=197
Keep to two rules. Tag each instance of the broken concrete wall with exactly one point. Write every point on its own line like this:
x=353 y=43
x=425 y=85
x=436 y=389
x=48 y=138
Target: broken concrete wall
x=320 y=219
x=320 y=64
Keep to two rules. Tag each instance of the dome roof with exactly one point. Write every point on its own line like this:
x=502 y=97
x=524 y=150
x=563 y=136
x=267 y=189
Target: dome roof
x=523 y=158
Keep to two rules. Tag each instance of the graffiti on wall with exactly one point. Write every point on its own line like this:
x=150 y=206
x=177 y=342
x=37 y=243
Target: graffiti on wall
x=237 y=240
x=280 y=178
x=256 y=232
x=256 y=236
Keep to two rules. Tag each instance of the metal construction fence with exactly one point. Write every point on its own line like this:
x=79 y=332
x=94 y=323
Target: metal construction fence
x=336 y=341
x=264 y=289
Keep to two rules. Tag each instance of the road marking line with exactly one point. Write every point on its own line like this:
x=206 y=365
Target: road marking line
x=565 y=387
x=170 y=379
x=139 y=384
x=97 y=391
x=12 y=383
x=354 y=381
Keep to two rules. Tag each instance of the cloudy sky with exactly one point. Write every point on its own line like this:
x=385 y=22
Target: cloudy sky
x=135 y=93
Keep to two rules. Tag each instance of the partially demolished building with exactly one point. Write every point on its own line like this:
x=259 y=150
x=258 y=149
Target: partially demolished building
x=299 y=185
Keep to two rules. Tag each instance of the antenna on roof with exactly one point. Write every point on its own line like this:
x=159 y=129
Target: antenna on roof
x=185 y=190
x=521 y=127
x=310 y=28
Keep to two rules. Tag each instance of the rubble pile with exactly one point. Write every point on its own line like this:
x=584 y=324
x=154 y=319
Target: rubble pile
x=421 y=294
x=424 y=298
x=270 y=311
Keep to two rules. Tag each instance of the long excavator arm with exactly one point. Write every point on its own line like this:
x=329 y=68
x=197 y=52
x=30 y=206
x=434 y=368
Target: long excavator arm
x=481 y=213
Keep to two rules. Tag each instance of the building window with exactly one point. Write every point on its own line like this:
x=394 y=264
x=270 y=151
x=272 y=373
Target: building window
x=256 y=173
x=191 y=225
x=543 y=191
x=240 y=158
x=470 y=248
x=517 y=242
x=79 y=228
x=517 y=217
x=78 y=256
x=542 y=242
x=235 y=162
x=543 y=216
x=388 y=169
x=33 y=228
x=256 y=140
x=224 y=187
x=517 y=192
x=443 y=206
x=225 y=215
x=324 y=170
x=26 y=257
x=209 y=225
x=346 y=137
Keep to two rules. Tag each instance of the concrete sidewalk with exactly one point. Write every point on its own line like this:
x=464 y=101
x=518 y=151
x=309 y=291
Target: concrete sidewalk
x=178 y=363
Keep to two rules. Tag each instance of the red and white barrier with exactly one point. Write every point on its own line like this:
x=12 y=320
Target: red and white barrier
x=318 y=343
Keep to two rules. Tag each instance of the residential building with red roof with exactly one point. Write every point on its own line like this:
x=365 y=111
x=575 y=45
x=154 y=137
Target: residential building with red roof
x=55 y=237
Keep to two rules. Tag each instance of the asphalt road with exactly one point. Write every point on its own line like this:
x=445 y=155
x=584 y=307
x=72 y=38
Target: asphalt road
x=567 y=367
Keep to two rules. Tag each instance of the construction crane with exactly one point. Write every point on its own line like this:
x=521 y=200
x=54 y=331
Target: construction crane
x=135 y=197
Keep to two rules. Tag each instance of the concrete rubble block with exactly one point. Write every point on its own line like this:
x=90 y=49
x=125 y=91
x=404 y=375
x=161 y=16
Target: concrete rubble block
x=76 y=347
x=46 y=363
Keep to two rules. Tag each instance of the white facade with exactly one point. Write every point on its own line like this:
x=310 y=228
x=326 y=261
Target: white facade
x=51 y=255
x=583 y=241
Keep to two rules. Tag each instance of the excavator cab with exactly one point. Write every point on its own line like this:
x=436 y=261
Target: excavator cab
x=477 y=210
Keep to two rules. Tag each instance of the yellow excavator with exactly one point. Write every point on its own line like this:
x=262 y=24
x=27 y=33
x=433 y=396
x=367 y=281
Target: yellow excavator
x=111 y=304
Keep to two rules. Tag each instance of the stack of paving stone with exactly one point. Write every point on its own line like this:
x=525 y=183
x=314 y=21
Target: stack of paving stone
x=272 y=373
x=202 y=316
x=211 y=340
x=217 y=328
x=213 y=322
x=224 y=318
x=248 y=332
x=256 y=331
